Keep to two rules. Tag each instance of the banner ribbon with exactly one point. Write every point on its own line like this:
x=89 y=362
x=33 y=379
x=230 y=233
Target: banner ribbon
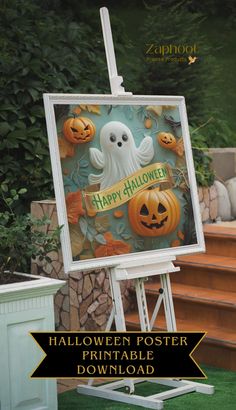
x=118 y=354
x=126 y=188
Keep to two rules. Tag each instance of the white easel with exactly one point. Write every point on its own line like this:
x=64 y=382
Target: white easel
x=140 y=273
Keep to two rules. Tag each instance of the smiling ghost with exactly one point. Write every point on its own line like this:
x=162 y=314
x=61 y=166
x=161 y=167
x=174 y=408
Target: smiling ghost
x=119 y=157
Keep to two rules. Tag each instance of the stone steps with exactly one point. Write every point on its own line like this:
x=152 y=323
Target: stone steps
x=204 y=294
x=218 y=347
x=207 y=270
x=220 y=240
x=198 y=305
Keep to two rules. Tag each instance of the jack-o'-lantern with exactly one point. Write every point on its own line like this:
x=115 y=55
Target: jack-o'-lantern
x=166 y=140
x=79 y=130
x=153 y=212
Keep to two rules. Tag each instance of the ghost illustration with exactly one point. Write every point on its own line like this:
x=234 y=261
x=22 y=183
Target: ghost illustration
x=119 y=157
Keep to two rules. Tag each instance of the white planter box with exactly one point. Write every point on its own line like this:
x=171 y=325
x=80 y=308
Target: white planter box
x=25 y=307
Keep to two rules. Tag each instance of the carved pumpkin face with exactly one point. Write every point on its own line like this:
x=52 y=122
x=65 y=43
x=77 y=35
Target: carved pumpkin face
x=79 y=130
x=154 y=213
x=166 y=140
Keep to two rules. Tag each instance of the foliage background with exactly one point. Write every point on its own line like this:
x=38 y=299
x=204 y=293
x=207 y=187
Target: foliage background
x=57 y=46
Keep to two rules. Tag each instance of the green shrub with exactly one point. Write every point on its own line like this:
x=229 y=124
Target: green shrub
x=214 y=7
x=43 y=51
x=218 y=133
x=202 y=161
x=40 y=52
x=22 y=236
x=177 y=25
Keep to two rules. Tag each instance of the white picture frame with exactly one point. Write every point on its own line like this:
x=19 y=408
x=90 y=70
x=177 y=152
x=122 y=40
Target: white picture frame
x=52 y=100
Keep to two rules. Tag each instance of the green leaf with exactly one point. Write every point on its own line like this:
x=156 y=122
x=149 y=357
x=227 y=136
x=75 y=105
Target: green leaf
x=22 y=191
x=4 y=187
x=37 y=111
x=13 y=192
x=4 y=128
x=83 y=225
x=120 y=228
x=34 y=93
x=126 y=236
x=89 y=236
x=100 y=239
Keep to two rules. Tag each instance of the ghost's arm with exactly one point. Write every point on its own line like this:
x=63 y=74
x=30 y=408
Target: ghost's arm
x=96 y=158
x=95 y=179
x=145 y=151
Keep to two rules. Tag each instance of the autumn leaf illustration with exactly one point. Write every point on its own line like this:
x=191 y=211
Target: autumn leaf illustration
x=95 y=109
x=74 y=206
x=175 y=243
x=179 y=148
x=156 y=109
x=180 y=235
x=102 y=223
x=112 y=247
x=77 y=240
x=66 y=149
x=77 y=110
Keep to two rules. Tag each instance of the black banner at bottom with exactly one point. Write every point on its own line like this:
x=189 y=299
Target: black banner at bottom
x=118 y=355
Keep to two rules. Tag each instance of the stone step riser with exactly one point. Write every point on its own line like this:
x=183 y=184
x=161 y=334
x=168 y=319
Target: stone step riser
x=195 y=313
x=207 y=278
x=221 y=246
x=212 y=354
x=218 y=318
x=216 y=355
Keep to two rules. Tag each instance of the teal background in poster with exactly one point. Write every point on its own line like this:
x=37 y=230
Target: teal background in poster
x=78 y=168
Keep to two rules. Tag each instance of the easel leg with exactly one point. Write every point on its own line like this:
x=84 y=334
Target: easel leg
x=168 y=303
x=179 y=387
x=119 y=317
x=117 y=314
x=167 y=299
x=142 y=304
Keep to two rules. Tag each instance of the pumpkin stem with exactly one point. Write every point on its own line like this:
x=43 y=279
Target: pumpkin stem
x=157 y=188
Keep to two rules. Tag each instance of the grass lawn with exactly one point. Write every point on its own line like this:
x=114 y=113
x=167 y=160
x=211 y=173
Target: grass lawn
x=223 y=398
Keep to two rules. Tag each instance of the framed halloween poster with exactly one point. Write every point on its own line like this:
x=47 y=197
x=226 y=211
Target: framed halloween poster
x=124 y=178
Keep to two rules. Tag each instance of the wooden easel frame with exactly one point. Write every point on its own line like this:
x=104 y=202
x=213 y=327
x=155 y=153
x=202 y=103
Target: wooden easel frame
x=138 y=272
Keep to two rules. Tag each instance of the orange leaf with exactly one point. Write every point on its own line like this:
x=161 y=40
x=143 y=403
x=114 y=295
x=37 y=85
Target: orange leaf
x=180 y=235
x=108 y=236
x=66 y=149
x=74 y=206
x=77 y=110
x=179 y=148
x=112 y=247
x=175 y=243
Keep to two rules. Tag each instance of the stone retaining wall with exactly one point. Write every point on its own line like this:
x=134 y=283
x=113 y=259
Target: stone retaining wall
x=208 y=203
x=84 y=302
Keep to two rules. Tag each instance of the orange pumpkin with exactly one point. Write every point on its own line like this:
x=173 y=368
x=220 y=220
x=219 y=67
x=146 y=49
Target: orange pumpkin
x=79 y=130
x=166 y=140
x=153 y=212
